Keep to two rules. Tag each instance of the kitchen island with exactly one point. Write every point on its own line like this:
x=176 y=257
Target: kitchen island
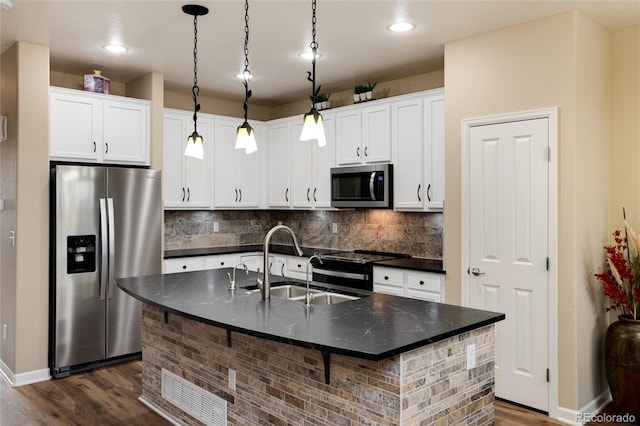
x=381 y=359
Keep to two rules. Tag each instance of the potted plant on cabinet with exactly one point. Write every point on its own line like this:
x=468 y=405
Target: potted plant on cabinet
x=621 y=284
x=358 y=93
x=368 y=90
x=322 y=101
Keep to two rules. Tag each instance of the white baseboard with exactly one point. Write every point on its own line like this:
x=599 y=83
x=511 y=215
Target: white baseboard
x=22 y=379
x=159 y=412
x=574 y=417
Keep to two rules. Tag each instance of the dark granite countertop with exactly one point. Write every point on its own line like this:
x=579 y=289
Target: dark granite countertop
x=415 y=263
x=374 y=327
x=245 y=248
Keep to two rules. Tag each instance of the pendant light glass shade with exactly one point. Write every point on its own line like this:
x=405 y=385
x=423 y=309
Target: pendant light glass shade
x=246 y=138
x=313 y=128
x=195 y=146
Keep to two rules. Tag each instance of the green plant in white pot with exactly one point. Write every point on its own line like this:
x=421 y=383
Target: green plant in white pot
x=322 y=101
x=368 y=90
x=359 y=93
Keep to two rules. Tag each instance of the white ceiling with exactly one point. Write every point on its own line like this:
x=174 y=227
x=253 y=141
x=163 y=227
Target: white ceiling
x=352 y=38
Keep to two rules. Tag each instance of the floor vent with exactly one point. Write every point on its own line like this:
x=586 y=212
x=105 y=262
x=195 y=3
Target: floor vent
x=197 y=402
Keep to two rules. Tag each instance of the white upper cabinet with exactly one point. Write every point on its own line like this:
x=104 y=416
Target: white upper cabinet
x=278 y=163
x=98 y=128
x=434 y=150
x=417 y=128
x=310 y=167
x=237 y=176
x=363 y=135
x=186 y=180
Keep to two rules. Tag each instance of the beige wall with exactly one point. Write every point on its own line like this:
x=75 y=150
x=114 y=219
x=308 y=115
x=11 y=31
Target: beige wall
x=25 y=266
x=545 y=63
x=625 y=127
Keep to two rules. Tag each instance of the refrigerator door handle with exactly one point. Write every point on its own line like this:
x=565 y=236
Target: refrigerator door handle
x=112 y=245
x=104 y=248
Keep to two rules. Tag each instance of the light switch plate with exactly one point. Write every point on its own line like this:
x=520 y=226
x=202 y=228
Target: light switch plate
x=471 y=356
x=232 y=379
x=216 y=227
x=1 y=205
x=334 y=228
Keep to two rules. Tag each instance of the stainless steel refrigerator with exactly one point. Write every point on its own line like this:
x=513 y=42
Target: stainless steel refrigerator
x=106 y=223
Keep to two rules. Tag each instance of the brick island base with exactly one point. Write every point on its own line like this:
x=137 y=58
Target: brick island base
x=282 y=384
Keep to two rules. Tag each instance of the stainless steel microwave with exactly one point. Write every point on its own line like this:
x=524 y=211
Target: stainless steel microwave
x=369 y=186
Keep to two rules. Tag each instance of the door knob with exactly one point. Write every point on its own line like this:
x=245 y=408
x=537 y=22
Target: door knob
x=477 y=271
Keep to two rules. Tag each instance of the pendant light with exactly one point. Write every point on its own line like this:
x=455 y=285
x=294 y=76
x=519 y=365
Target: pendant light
x=312 y=126
x=245 y=136
x=195 y=145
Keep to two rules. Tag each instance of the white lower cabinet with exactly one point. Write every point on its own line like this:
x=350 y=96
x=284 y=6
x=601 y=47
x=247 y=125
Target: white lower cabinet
x=183 y=264
x=409 y=283
x=277 y=264
x=297 y=267
x=217 y=261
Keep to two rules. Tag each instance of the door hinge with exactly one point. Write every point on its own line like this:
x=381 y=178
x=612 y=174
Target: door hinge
x=548 y=153
x=547 y=263
x=548 y=375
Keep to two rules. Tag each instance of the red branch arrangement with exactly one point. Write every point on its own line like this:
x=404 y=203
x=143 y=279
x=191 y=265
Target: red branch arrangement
x=621 y=279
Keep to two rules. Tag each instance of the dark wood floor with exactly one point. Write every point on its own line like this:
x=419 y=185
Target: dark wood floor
x=109 y=396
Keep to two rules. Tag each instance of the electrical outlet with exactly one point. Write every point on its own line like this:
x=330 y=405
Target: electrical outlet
x=216 y=227
x=279 y=222
x=232 y=379
x=471 y=356
x=4 y=331
x=334 y=228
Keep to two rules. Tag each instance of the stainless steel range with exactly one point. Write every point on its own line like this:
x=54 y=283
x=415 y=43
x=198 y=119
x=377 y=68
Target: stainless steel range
x=350 y=269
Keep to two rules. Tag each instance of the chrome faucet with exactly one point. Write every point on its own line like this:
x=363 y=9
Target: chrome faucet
x=232 y=281
x=309 y=297
x=264 y=283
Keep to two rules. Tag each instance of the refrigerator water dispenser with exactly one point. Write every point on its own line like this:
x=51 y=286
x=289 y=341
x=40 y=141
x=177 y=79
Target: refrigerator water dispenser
x=81 y=254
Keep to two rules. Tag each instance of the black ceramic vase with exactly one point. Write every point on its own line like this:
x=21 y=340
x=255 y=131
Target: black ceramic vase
x=622 y=363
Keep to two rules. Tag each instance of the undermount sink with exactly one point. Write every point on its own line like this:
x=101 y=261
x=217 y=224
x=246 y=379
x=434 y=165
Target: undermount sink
x=297 y=293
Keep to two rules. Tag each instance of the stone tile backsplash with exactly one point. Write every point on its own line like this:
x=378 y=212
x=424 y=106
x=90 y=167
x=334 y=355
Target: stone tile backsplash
x=417 y=234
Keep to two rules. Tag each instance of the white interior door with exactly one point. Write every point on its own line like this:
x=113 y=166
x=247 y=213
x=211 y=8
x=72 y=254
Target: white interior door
x=508 y=226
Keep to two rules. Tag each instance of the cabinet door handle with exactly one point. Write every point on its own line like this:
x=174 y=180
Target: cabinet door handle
x=240 y=191
x=418 y=192
x=286 y=194
x=282 y=270
x=365 y=151
x=188 y=194
x=236 y=189
x=358 y=152
x=386 y=277
x=222 y=263
x=184 y=266
x=428 y=192
x=106 y=150
x=184 y=194
x=421 y=282
x=94 y=146
x=308 y=198
x=314 y=195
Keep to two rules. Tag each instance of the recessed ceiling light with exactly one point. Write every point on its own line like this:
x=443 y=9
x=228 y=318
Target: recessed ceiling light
x=309 y=55
x=115 y=48
x=400 y=27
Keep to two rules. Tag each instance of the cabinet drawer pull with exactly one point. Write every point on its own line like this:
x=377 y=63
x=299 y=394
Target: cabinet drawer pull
x=184 y=266
x=314 y=195
x=358 y=152
x=106 y=150
x=222 y=263
x=299 y=265
x=428 y=192
x=365 y=151
x=421 y=282
x=184 y=194
x=386 y=277
x=418 y=192
x=308 y=198
x=240 y=192
x=286 y=195
x=236 y=189
x=188 y=194
x=282 y=270
x=94 y=146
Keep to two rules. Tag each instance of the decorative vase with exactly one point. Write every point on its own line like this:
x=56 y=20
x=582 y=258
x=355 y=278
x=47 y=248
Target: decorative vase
x=368 y=95
x=356 y=97
x=622 y=363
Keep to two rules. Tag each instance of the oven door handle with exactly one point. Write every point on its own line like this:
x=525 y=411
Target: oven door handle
x=372 y=180
x=340 y=274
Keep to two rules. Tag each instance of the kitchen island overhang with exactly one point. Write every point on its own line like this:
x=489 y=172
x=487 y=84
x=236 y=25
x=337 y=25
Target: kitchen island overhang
x=370 y=332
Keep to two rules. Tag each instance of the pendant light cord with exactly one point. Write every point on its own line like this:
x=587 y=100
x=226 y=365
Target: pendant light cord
x=246 y=72
x=195 y=90
x=311 y=75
